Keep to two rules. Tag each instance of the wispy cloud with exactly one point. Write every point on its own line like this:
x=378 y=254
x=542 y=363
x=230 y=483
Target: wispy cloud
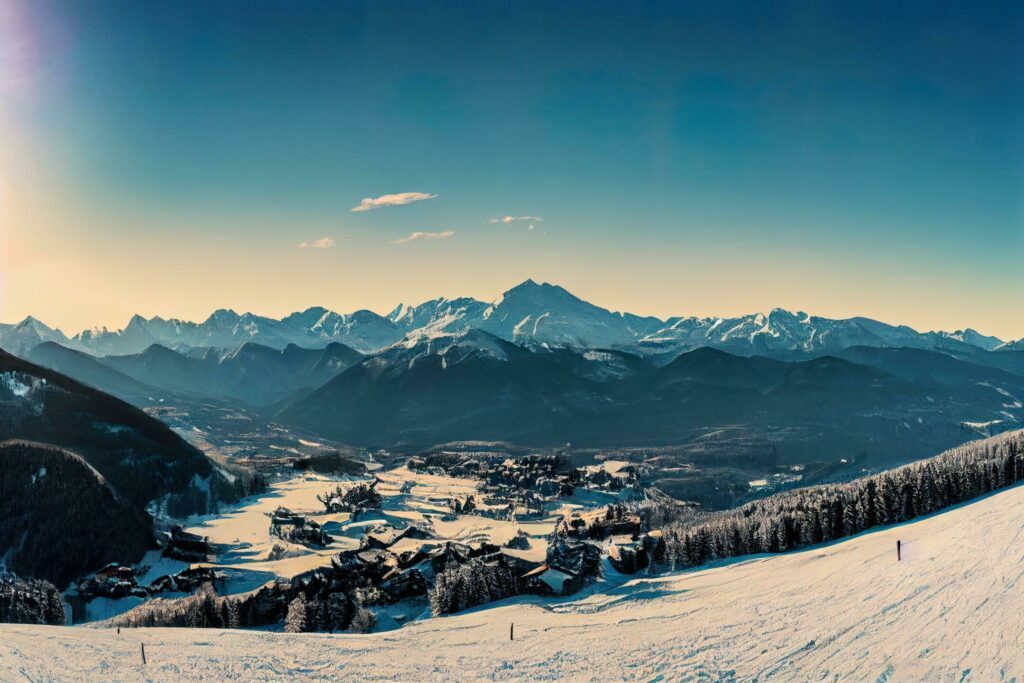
x=413 y=236
x=392 y=200
x=513 y=219
x=322 y=243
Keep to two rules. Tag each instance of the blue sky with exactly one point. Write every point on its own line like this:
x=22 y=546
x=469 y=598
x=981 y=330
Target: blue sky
x=685 y=158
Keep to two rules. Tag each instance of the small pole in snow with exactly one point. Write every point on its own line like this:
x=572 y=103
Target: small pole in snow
x=142 y=651
x=511 y=631
x=899 y=553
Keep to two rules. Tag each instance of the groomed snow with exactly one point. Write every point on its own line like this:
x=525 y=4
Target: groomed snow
x=950 y=611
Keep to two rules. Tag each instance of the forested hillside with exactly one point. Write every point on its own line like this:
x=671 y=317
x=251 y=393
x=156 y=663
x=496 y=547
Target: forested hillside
x=29 y=601
x=139 y=456
x=59 y=518
x=819 y=514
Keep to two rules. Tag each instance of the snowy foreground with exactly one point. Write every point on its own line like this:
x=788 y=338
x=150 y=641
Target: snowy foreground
x=952 y=610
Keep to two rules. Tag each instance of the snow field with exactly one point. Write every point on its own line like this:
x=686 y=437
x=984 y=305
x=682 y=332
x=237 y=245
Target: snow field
x=847 y=611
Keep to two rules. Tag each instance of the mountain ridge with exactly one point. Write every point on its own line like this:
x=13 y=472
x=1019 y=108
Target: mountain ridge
x=473 y=385
x=529 y=313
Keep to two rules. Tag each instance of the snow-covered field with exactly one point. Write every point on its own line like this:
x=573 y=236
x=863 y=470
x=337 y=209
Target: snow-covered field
x=952 y=610
x=244 y=529
x=242 y=532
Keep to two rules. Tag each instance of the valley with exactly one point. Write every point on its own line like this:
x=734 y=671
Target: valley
x=516 y=341
x=741 y=400
x=845 y=610
x=459 y=467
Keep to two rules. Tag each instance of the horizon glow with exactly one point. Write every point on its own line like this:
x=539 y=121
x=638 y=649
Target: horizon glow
x=667 y=161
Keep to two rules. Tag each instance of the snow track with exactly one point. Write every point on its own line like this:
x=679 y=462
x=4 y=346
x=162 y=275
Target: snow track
x=952 y=610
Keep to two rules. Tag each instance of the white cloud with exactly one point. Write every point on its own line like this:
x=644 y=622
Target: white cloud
x=512 y=219
x=413 y=236
x=392 y=200
x=322 y=243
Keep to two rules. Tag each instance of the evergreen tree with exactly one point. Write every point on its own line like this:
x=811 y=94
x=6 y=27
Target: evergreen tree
x=297 y=620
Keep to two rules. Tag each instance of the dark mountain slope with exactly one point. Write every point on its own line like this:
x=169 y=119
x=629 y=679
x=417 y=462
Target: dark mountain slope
x=60 y=518
x=931 y=367
x=252 y=373
x=89 y=370
x=470 y=386
x=169 y=370
x=475 y=386
x=141 y=457
x=711 y=366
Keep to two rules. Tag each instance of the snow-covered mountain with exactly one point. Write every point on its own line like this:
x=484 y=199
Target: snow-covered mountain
x=313 y=328
x=548 y=314
x=782 y=332
x=1012 y=346
x=974 y=338
x=529 y=314
x=440 y=315
x=20 y=337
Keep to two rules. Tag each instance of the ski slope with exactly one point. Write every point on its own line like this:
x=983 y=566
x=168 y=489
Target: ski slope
x=952 y=610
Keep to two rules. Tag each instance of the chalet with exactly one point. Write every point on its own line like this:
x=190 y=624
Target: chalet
x=459 y=553
x=399 y=584
x=546 y=580
x=386 y=536
x=347 y=564
x=112 y=581
x=295 y=528
x=187 y=581
x=631 y=553
x=601 y=523
x=575 y=557
x=116 y=572
x=411 y=558
x=518 y=561
x=187 y=547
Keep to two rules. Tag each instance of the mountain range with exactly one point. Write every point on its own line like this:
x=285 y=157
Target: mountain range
x=877 y=404
x=541 y=367
x=528 y=314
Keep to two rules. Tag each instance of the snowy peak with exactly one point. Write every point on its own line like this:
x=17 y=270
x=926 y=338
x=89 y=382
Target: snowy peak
x=548 y=314
x=440 y=315
x=974 y=338
x=1012 y=346
x=314 y=327
x=785 y=332
x=531 y=313
x=471 y=342
x=308 y=319
x=21 y=337
x=222 y=317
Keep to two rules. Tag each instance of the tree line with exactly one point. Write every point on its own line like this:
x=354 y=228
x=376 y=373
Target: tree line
x=308 y=607
x=461 y=586
x=818 y=514
x=29 y=601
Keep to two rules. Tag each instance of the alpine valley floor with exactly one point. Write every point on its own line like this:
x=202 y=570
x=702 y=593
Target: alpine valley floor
x=950 y=611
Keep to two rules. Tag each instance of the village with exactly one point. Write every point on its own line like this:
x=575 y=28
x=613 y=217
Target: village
x=437 y=535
